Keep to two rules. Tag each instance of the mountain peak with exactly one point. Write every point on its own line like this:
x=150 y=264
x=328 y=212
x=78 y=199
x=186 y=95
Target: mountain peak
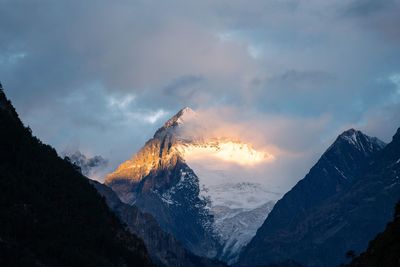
x=359 y=140
x=352 y=133
x=350 y=136
x=183 y=115
x=185 y=109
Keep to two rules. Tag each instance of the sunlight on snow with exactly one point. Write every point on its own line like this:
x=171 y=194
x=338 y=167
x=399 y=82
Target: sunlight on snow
x=237 y=152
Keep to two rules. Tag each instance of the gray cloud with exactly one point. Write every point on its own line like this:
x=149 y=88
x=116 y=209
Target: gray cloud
x=362 y=8
x=295 y=91
x=104 y=76
x=177 y=86
x=380 y=17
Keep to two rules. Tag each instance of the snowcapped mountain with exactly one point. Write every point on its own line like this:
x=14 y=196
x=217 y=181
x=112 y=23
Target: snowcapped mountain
x=198 y=187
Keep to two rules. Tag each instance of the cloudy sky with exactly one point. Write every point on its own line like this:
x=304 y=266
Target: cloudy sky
x=102 y=76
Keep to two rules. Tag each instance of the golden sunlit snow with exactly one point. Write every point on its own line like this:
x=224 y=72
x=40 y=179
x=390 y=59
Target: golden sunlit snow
x=237 y=152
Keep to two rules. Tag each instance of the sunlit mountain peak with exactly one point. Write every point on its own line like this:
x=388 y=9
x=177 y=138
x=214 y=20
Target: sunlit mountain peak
x=185 y=114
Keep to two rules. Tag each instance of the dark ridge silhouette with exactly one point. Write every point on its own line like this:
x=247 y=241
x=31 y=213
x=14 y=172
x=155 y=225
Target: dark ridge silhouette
x=384 y=250
x=49 y=213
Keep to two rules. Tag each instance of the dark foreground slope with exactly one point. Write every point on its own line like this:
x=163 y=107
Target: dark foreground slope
x=384 y=250
x=164 y=249
x=347 y=213
x=49 y=213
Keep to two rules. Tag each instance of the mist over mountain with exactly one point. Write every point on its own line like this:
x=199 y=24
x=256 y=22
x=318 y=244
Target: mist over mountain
x=88 y=166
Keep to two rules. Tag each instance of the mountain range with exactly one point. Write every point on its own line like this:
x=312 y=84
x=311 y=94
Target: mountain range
x=165 y=207
x=311 y=225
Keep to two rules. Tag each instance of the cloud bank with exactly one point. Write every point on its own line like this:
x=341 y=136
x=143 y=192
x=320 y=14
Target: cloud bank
x=292 y=74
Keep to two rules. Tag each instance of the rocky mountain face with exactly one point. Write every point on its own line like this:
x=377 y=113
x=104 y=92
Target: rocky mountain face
x=207 y=219
x=164 y=249
x=50 y=214
x=159 y=182
x=238 y=227
x=342 y=203
x=384 y=249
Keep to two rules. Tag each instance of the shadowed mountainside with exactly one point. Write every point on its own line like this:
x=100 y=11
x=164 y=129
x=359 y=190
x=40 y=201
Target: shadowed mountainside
x=50 y=214
x=344 y=201
x=384 y=250
x=164 y=249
